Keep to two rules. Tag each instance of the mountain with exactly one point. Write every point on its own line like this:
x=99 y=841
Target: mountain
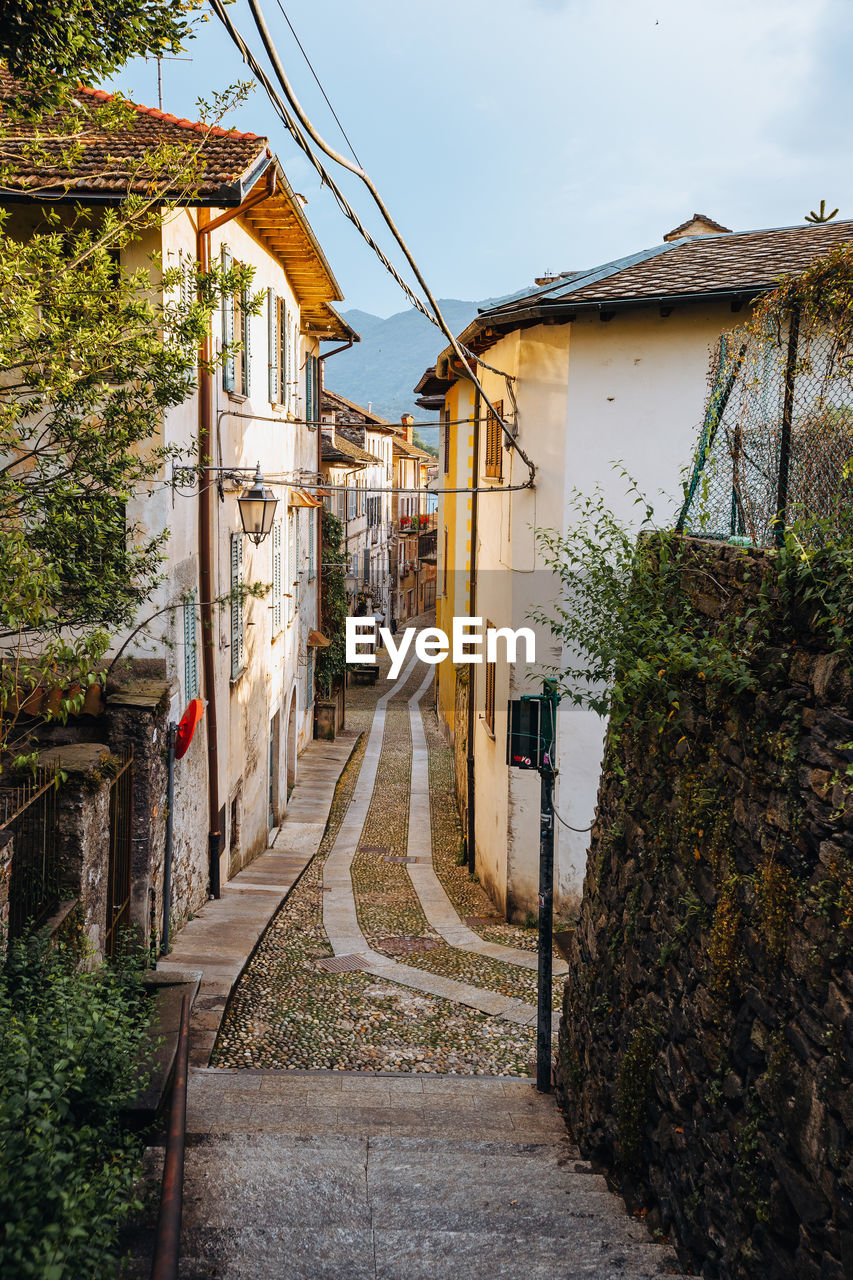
x=382 y=369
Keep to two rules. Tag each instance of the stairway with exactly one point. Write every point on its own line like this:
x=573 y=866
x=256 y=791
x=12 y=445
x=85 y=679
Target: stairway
x=338 y=1176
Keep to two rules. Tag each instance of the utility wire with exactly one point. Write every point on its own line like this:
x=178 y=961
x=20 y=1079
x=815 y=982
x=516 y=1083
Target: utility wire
x=317 y=78
x=360 y=173
x=293 y=128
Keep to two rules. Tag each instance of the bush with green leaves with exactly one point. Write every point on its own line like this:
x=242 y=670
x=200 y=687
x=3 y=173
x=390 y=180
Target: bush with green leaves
x=70 y=1053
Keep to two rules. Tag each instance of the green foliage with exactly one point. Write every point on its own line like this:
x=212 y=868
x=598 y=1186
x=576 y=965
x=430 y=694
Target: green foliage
x=94 y=350
x=50 y=45
x=633 y=1093
x=69 y=1053
x=331 y=662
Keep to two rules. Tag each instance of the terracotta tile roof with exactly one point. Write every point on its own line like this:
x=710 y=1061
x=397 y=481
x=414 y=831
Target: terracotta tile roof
x=109 y=159
x=738 y=262
x=701 y=218
x=336 y=448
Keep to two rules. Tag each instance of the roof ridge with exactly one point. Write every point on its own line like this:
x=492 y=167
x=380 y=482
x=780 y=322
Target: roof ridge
x=215 y=131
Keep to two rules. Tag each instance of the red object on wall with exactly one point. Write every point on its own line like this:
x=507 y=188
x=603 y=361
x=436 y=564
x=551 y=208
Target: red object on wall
x=187 y=727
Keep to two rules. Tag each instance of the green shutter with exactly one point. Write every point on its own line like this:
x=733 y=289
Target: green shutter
x=247 y=343
x=228 y=366
x=236 y=605
x=276 y=578
x=272 y=341
x=309 y=388
x=190 y=646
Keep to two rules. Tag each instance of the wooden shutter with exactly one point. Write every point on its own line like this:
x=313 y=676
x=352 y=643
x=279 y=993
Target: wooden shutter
x=272 y=345
x=447 y=442
x=309 y=388
x=190 y=646
x=312 y=542
x=229 y=370
x=277 y=578
x=291 y=565
x=297 y=562
x=237 y=652
x=490 y=690
x=494 y=434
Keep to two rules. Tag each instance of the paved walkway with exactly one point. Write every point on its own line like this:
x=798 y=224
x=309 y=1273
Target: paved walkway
x=222 y=937
x=340 y=918
x=331 y=1175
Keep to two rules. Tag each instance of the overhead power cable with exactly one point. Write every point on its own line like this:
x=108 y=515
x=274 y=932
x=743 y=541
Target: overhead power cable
x=317 y=78
x=296 y=133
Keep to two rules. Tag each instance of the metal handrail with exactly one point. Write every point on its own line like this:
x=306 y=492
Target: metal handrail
x=168 y=1244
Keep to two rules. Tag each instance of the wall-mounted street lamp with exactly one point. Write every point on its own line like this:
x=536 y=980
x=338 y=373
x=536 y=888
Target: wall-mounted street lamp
x=257 y=509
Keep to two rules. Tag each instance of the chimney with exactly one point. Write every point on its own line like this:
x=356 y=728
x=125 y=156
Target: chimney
x=699 y=225
x=407 y=421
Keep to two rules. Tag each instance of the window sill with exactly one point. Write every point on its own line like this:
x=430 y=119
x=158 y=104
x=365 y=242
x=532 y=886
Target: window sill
x=236 y=396
x=239 y=676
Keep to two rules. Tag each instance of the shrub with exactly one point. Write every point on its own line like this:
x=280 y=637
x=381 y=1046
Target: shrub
x=70 y=1047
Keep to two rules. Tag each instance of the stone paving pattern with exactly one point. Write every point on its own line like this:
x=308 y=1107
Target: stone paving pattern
x=286 y=1013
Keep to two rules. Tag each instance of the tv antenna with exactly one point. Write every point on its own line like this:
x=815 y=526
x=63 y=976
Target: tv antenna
x=159 y=59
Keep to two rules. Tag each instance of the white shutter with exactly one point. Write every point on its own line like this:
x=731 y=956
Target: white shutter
x=276 y=578
x=312 y=542
x=236 y=605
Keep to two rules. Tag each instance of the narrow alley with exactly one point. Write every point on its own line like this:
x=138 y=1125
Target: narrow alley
x=367 y=1108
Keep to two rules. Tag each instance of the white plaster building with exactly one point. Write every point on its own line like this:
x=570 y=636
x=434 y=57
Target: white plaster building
x=608 y=365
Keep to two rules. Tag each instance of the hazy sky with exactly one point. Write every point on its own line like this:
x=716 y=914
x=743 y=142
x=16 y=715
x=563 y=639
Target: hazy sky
x=511 y=137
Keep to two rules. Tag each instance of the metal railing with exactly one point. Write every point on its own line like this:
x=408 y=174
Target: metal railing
x=167 y=1248
x=28 y=813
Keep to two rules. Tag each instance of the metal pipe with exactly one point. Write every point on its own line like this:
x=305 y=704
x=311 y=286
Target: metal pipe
x=546 y=921
x=787 y=416
x=471 y=834
x=207 y=585
x=168 y=1246
x=167 y=861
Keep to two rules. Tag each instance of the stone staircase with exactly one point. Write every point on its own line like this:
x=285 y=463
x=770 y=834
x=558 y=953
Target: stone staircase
x=339 y=1176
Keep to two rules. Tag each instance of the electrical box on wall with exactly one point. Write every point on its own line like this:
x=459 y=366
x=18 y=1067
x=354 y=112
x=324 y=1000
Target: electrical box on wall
x=530 y=732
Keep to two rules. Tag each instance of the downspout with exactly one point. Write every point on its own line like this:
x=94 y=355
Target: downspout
x=472 y=608
x=207 y=583
x=321 y=378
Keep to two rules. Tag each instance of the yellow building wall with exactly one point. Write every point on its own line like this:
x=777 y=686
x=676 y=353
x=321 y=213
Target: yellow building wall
x=454 y=536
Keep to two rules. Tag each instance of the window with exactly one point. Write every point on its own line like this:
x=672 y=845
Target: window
x=236 y=328
x=312 y=543
x=447 y=442
x=494 y=439
x=309 y=677
x=237 y=650
x=292 y=571
x=277 y=578
x=190 y=646
x=276 y=381
x=312 y=398
x=491 y=670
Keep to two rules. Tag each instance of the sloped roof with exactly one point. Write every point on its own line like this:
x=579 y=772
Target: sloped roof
x=739 y=265
x=109 y=162
x=334 y=401
x=336 y=448
x=413 y=451
x=701 y=218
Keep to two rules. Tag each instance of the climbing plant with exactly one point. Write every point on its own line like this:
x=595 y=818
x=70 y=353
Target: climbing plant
x=331 y=662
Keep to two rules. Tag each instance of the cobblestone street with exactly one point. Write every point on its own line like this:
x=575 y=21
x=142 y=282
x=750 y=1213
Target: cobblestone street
x=408 y=999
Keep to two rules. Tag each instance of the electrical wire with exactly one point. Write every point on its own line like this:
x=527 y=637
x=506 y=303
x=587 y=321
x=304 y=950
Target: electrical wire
x=317 y=78
x=437 y=318
x=360 y=173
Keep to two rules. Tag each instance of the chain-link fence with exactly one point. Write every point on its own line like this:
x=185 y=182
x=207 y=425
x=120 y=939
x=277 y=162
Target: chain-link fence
x=777 y=436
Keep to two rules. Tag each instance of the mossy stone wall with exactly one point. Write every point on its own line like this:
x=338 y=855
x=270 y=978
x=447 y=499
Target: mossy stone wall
x=706 y=1041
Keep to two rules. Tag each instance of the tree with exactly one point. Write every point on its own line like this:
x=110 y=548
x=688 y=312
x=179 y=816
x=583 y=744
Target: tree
x=49 y=45
x=92 y=355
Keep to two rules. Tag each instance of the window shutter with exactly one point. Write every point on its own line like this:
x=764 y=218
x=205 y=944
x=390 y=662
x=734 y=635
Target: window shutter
x=228 y=367
x=283 y=363
x=291 y=565
x=312 y=541
x=276 y=578
x=447 y=442
x=297 y=563
x=309 y=388
x=190 y=646
x=290 y=360
x=236 y=605
x=493 y=441
x=272 y=342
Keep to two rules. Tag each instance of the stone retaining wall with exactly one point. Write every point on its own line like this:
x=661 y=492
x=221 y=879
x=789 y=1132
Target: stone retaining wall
x=706 y=1043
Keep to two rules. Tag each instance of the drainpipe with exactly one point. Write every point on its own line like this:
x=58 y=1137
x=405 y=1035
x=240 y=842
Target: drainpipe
x=472 y=606
x=321 y=378
x=207 y=579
